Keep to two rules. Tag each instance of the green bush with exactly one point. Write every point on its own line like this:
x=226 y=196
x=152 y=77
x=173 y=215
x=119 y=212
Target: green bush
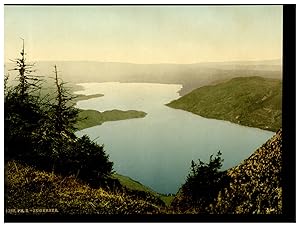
x=203 y=184
x=88 y=161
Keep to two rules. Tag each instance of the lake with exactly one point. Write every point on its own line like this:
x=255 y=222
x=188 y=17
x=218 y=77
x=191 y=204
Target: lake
x=157 y=150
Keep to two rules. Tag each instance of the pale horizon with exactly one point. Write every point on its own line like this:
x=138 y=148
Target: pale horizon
x=161 y=63
x=144 y=34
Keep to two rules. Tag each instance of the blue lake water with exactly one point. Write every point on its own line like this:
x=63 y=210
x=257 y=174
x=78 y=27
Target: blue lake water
x=157 y=150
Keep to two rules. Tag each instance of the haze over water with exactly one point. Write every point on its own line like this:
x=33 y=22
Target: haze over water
x=157 y=150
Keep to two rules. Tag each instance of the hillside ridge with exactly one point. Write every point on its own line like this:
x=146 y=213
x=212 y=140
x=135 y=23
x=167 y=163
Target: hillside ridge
x=248 y=101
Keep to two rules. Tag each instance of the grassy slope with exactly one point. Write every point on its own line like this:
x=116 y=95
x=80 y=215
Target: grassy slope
x=29 y=188
x=250 y=101
x=90 y=118
x=132 y=184
x=137 y=186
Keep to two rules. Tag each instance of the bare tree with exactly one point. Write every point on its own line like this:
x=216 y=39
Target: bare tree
x=65 y=114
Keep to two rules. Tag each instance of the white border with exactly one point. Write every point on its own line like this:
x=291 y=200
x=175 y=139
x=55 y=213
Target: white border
x=148 y=2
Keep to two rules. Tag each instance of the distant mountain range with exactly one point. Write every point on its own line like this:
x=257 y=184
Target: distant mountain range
x=191 y=76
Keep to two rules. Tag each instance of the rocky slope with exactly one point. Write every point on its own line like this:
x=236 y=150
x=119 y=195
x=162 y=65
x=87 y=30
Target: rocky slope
x=255 y=186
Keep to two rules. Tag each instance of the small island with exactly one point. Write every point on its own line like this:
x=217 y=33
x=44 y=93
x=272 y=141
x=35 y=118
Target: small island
x=86 y=97
x=90 y=118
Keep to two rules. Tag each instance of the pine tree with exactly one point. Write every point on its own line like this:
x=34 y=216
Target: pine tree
x=28 y=83
x=203 y=184
x=23 y=112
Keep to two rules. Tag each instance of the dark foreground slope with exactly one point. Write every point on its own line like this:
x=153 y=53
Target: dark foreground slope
x=28 y=189
x=254 y=186
x=249 y=101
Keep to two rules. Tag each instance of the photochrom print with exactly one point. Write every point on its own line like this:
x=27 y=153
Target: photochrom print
x=142 y=111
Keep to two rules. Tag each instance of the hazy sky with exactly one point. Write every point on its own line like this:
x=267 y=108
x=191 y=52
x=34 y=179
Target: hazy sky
x=166 y=34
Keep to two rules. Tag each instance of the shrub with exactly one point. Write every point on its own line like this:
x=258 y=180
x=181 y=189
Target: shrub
x=203 y=184
x=87 y=160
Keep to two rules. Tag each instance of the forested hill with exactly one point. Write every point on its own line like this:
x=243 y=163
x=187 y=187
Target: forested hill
x=249 y=101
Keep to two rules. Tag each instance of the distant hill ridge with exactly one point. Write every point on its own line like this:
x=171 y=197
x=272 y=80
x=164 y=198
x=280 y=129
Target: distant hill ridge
x=191 y=76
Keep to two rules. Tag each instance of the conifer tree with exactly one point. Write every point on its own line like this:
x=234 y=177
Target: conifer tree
x=23 y=112
x=28 y=83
